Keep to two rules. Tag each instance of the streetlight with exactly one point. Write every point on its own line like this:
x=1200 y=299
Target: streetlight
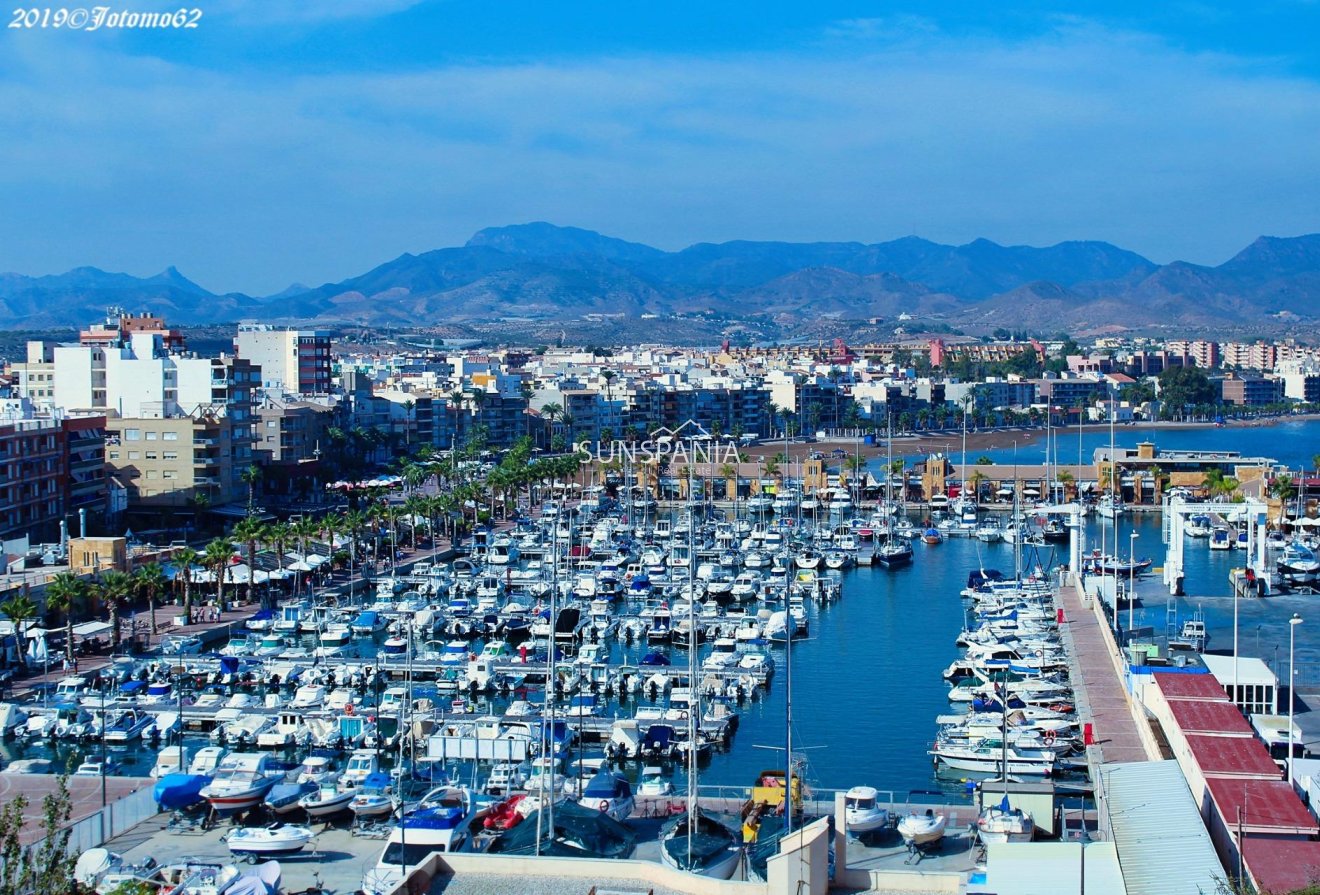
x=1132 y=579
x=1292 y=631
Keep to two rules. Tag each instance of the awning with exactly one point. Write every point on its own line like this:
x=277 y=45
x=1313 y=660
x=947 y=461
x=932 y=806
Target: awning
x=90 y=629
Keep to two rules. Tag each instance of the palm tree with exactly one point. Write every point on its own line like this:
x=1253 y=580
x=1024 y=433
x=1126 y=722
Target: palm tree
x=150 y=581
x=279 y=535
x=251 y=476
x=184 y=560
x=65 y=593
x=1284 y=489
x=249 y=531
x=217 y=557
x=113 y=590
x=20 y=610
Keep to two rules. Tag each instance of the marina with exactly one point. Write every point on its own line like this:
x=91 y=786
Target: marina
x=990 y=667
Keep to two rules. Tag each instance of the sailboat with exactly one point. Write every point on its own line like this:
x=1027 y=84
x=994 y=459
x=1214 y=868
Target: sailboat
x=695 y=842
x=1003 y=822
x=896 y=551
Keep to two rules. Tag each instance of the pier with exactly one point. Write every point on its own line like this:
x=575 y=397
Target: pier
x=1118 y=733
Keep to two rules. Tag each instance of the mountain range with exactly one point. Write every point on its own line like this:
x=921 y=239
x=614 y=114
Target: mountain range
x=544 y=272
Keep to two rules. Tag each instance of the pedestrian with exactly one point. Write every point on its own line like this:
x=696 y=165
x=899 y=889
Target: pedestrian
x=65 y=664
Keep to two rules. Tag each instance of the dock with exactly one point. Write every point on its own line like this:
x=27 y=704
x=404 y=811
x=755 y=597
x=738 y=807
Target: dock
x=1096 y=674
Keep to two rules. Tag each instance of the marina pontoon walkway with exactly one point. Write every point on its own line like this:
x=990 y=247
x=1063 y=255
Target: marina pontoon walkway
x=1101 y=697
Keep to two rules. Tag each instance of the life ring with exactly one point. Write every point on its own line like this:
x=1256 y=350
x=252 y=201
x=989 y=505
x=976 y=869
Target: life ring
x=603 y=806
x=682 y=716
x=1048 y=737
x=348 y=709
x=1040 y=654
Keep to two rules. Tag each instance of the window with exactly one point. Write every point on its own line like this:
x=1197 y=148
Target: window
x=132 y=434
x=135 y=455
x=169 y=436
x=169 y=455
x=272 y=424
x=151 y=455
x=151 y=474
x=114 y=455
x=153 y=436
x=169 y=474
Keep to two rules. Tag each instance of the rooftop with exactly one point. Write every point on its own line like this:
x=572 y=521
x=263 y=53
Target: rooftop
x=1220 y=756
x=1210 y=718
x=1163 y=846
x=1267 y=806
x=1281 y=865
x=1190 y=686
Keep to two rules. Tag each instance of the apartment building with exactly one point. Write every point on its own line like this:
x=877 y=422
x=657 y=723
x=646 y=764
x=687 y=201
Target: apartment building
x=292 y=360
x=1250 y=391
x=51 y=466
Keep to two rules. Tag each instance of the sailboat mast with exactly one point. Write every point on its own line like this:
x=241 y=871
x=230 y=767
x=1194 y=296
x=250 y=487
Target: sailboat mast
x=693 y=691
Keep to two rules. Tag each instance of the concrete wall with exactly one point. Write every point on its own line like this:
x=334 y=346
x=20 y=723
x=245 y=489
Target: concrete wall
x=804 y=856
x=889 y=880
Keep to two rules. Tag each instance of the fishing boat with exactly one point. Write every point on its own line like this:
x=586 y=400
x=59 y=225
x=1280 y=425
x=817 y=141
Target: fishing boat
x=276 y=840
x=863 y=811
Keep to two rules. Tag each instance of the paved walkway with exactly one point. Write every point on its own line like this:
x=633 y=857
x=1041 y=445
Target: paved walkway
x=1101 y=697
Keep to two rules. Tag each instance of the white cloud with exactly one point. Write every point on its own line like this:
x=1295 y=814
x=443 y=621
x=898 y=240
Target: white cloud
x=248 y=182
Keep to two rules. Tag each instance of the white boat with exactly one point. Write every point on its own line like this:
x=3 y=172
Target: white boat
x=921 y=830
x=1003 y=823
x=864 y=814
x=653 y=783
x=206 y=760
x=361 y=765
x=610 y=794
x=241 y=782
x=169 y=760
x=415 y=838
x=273 y=841
x=327 y=800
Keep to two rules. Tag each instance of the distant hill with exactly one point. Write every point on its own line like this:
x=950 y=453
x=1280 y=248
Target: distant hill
x=545 y=272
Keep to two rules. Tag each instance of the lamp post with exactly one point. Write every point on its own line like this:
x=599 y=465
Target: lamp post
x=1132 y=579
x=1292 y=631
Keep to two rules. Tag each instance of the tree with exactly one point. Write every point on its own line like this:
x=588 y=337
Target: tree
x=217 y=557
x=1284 y=489
x=249 y=531
x=251 y=476
x=184 y=560
x=1185 y=386
x=150 y=581
x=20 y=610
x=113 y=590
x=64 y=594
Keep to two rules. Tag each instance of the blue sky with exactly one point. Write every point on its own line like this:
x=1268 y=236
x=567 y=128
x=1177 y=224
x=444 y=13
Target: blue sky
x=307 y=141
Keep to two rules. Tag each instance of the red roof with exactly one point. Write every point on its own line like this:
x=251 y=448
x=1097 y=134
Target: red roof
x=1220 y=756
x=1268 y=806
x=1190 y=686
x=1281 y=865
x=1210 y=718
